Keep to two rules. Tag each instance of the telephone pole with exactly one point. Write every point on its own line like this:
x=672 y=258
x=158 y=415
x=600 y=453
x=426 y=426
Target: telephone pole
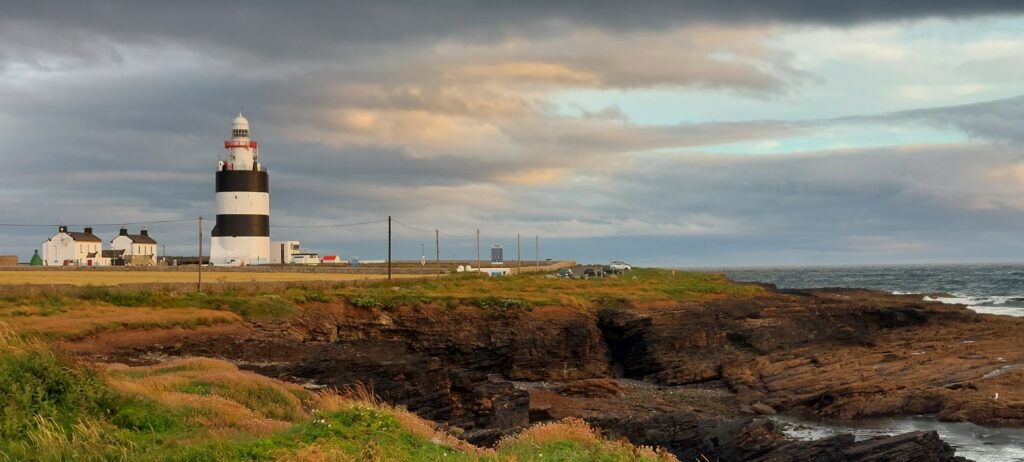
x=199 y=285
x=519 y=253
x=389 y=247
x=536 y=250
x=437 y=247
x=478 y=248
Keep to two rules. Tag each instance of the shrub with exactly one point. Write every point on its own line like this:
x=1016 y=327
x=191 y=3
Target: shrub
x=143 y=415
x=368 y=301
x=36 y=384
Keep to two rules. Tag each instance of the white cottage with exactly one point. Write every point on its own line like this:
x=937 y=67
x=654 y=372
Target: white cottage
x=139 y=249
x=68 y=248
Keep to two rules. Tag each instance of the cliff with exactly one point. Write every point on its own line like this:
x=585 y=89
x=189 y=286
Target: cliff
x=490 y=370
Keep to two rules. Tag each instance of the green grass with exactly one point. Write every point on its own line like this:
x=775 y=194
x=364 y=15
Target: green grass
x=362 y=433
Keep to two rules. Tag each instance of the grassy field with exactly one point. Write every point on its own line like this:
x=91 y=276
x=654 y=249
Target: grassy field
x=106 y=278
x=77 y=312
x=53 y=409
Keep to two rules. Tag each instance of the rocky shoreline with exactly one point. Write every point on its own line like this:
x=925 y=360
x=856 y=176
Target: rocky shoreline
x=696 y=378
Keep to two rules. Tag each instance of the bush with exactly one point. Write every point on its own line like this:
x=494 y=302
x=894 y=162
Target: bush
x=143 y=415
x=364 y=301
x=302 y=295
x=35 y=384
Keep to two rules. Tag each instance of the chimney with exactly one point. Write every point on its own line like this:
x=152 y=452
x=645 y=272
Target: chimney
x=144 y=232
x=124 y=231
x=62 y=229
x=88 y=230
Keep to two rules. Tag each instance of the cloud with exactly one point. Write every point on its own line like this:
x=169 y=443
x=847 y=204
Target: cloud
x=449 y=116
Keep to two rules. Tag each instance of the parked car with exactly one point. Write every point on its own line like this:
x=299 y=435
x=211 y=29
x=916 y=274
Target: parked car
x=621 y=266
x=593 y=272
x=565 y=273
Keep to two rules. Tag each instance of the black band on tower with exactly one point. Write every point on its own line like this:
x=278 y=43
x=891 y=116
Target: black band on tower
x=242 y=225
x=243 y=181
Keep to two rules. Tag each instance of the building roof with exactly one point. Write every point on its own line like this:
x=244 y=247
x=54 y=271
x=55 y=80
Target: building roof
x=83 y=237
x=118 y=253
x=141 y=239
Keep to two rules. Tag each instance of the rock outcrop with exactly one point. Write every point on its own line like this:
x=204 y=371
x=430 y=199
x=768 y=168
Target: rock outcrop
x=757 y=439
x=833 y=353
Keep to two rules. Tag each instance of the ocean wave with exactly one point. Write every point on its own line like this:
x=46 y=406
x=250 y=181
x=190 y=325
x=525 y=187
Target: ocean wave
x=995 y=304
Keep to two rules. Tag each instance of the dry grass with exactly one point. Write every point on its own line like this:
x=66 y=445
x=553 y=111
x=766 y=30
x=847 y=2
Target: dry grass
x=224 y=399
x=639 y=286
x=86 y=320
x=576 y=430
x=114 y=277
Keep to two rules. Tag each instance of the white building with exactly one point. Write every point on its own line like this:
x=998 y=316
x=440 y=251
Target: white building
x=282 y=252
x=139 y=249
x=242 y=233
x=70 y=248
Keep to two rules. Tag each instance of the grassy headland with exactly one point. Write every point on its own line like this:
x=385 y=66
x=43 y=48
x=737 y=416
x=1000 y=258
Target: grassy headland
x=52 y=408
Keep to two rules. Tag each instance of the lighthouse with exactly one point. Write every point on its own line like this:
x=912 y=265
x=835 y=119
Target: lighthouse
x=242 y=233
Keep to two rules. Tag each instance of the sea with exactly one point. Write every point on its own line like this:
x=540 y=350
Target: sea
x=988 y=288
x=985 y=288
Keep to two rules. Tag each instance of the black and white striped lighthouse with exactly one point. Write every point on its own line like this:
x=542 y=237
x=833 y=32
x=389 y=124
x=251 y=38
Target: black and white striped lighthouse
x=242 y=233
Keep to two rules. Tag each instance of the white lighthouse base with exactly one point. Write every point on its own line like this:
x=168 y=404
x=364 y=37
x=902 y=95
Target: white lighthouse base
x=240 y=251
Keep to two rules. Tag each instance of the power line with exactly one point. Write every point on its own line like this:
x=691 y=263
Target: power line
x=456 y=236
x=17 y=225
x=415 y=228
x=337 y=225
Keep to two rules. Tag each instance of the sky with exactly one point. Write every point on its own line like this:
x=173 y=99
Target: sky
x=665 y=133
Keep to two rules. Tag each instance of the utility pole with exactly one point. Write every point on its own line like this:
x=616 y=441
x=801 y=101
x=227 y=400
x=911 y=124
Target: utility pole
x=199 y=286
x=478 y=248
x=437 y=247
x=519 y=253
x=389 y=247
x=536 y=250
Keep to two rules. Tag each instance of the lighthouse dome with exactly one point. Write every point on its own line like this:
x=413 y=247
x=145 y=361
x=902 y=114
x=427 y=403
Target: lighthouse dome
x=240 y=122
x=240 y=127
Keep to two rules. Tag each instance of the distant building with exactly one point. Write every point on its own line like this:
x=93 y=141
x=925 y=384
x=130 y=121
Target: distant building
x=306 y=258
x=497 y=255
x=73 y=248
x=137 y=249
x=332 y=260
x=36 y=259
x=8 y=260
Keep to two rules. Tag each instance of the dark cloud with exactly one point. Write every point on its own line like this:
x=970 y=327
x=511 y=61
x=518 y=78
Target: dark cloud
x=295 y=29
x=995 y=120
